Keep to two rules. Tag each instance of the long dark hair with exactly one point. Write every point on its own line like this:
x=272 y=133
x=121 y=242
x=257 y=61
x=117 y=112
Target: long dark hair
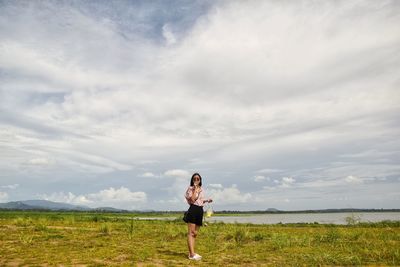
x=191 y=180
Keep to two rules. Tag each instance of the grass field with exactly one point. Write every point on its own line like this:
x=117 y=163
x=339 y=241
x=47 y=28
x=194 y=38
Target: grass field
x=87 y=239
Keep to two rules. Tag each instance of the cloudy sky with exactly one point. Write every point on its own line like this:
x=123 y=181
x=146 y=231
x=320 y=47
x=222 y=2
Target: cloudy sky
x=277 y=104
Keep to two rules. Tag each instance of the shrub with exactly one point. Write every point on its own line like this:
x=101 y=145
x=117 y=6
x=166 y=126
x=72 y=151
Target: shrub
x=22 y=221
x=41 y=227
x=258 y=237
x=25 y=238
x=105 y=229
x=353 y=219
x=241 y=236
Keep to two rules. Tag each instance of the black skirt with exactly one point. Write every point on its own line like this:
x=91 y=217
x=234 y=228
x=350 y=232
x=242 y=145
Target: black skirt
x=194 y=215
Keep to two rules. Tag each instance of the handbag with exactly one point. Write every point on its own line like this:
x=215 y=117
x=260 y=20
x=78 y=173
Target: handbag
x=209 y=210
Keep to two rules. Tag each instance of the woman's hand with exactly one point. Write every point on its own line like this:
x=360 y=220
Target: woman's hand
x=209 y=200
x=195 y=194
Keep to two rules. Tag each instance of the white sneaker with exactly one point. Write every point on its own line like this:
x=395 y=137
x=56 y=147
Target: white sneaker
x=196 y=257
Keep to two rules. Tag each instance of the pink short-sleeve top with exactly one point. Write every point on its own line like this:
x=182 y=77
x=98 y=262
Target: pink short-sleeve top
x=199 y=198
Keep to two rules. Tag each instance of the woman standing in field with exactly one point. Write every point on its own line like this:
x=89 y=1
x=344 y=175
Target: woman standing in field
x=194 y=217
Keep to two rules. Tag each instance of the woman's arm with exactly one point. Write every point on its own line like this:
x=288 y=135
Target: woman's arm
x=209 y=200
x=195 y=194
x=204 y=200
x=192 y=194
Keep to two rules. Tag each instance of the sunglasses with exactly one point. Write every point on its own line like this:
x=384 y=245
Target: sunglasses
x=196 y=179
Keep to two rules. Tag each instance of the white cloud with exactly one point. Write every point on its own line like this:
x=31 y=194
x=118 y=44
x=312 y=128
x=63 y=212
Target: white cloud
x=260 y=178
x=215 y=185
x=122 y=194
x=174 y=200
x=180 y=183
x=268 y=170
x=353 y=179
x=3 y=196
x=288 y=180
x=97 y=160
x=66 y=198
x=120 y=197
x=11 y=186
x=285 y=182
x=269 y=188
x=168 y=34
x=320 y=183
x=148 y=174
x=177 y=173
x=228 y=196
x=369 y=153
x=39 y=161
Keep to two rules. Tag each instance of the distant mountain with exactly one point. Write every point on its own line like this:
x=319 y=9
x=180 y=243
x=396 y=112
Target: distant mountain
x=16 y=205
x=109 y=209
x=272 y=209
x=40 y=204
x=50 y=205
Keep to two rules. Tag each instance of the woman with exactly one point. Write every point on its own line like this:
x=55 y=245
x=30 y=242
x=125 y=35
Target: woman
x=194 y=217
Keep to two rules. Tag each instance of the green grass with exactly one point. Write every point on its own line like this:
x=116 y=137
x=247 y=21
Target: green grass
x=104 y=239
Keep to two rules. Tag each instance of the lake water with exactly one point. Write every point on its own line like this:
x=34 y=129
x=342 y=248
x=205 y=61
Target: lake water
x=323 y=218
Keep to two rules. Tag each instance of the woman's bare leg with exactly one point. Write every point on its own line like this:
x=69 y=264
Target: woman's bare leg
x=192 y=232
x=197 y=228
